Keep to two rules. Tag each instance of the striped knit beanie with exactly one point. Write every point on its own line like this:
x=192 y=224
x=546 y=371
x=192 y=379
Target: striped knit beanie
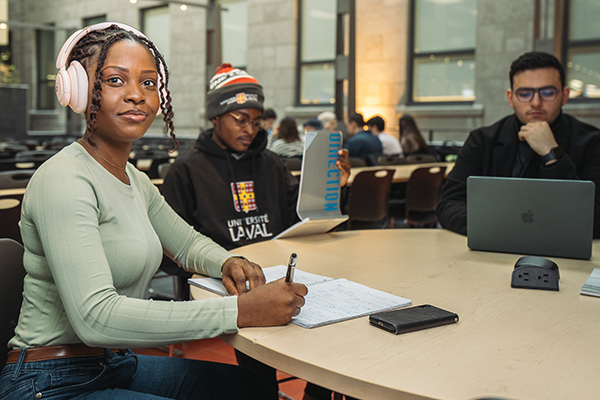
x=232 y=89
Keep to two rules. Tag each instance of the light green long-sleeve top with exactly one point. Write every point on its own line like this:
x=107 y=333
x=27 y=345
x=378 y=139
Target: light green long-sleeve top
x=92 y=244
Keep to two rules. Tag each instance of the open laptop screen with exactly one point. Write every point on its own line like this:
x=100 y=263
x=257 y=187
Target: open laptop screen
x=545 y=217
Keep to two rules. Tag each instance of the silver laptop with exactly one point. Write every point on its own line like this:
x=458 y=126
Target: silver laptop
x=545 y=217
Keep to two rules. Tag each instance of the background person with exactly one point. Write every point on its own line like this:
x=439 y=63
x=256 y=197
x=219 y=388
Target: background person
x=537 y=141
x=362 y=144
x=329 y=120
x=312 y=124
x=94 y=229
x=288 y=142
x=390 y=145
x=411 y=139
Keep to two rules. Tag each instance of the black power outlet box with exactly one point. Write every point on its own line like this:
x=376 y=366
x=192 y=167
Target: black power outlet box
x=535 y=273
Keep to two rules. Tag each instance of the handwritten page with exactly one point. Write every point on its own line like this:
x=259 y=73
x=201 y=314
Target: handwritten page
x=340 y=299
x=328 y=300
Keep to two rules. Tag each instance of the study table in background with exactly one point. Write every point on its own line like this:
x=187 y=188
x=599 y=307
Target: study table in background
x=401 y=172
x=510 y=343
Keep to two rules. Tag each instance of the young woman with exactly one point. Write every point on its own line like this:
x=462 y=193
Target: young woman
x=94 y=230
x=411 y=140
x=288 y=142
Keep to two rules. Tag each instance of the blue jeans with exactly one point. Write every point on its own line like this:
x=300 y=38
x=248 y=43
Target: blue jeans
x=130 y=376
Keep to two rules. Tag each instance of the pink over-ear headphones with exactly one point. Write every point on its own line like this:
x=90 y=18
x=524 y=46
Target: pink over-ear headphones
x=72 y=83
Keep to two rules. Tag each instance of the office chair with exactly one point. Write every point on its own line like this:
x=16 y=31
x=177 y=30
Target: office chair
x=422 y=195
x=163 y=169
x=356 y=162
x=292 y=163
x=154 y=171
x=10 y=213
x=391 y=160
x=15 y=164
x=11 y=291
x=420 y=158
x=35 y=154
x=368 y=199
x=11 y=150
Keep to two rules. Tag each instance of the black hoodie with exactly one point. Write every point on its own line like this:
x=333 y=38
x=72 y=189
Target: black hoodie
x=199 y=186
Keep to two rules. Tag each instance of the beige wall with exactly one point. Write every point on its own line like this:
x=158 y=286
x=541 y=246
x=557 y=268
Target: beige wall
x=381 y=48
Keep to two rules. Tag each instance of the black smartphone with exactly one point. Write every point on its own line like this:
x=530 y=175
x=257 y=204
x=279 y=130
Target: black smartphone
x=412 y=319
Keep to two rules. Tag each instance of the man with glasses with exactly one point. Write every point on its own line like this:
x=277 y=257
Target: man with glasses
x=537 y=141
x=229 y=186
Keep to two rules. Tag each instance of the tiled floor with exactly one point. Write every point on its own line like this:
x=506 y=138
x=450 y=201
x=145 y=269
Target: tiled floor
x=219 y=351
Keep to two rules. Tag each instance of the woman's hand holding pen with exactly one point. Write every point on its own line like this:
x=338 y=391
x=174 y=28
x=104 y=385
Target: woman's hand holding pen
x=272 y=304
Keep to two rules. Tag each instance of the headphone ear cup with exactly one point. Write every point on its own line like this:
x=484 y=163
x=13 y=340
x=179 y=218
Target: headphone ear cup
x=63 y=87
x=79 y=87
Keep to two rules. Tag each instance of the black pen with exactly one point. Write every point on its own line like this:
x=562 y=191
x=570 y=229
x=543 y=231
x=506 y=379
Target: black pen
x=289 y=276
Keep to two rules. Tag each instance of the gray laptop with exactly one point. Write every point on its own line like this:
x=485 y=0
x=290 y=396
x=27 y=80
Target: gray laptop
x=545 y=217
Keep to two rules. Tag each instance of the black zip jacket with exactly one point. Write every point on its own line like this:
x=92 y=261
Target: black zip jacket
x=491 y=151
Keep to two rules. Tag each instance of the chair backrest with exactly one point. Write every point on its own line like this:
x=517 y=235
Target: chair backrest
x=292 y=163
x=163 y=169
x=420 y=158
x=11 y=150
x=356 y=162
x=10 y=213
x=35 y=154
x=369 y=195
x=153 y=171
x=13 y=164
x=15 y=179
x=422 y=194
x=392 y=160
x=11 y=291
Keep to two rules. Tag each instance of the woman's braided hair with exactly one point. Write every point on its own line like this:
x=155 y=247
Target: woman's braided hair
x=96 y=44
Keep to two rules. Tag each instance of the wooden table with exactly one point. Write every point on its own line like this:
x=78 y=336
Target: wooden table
x=8 y=198
x=510 y=343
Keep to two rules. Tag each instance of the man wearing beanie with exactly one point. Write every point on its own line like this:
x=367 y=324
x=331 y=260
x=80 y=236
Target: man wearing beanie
x=229 y=186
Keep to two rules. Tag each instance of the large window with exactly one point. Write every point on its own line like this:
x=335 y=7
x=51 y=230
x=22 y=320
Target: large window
x=156 y=25
x=94 y=20
x=442 y=51
x=234 y=32
x=583 y=48
x=46 y=69
x=316 y=66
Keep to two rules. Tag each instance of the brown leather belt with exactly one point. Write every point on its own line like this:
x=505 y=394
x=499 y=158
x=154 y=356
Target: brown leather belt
x=56 y=352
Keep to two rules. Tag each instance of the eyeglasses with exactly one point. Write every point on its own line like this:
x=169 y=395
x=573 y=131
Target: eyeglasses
x=245 y=122
x=547 y=93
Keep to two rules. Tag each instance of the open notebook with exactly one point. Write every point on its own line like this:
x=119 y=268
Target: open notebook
x=328 y=300
x=319 y=194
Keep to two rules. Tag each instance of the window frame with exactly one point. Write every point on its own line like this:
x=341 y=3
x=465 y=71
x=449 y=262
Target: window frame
x=570 y=44
x=412 y=57
x=222 y=5
x=300 y=64
x=40 y=80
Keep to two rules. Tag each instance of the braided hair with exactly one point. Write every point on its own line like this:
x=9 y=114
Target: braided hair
x=96 y=44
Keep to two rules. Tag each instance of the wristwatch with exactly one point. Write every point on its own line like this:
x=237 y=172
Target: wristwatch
x=555 y=154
